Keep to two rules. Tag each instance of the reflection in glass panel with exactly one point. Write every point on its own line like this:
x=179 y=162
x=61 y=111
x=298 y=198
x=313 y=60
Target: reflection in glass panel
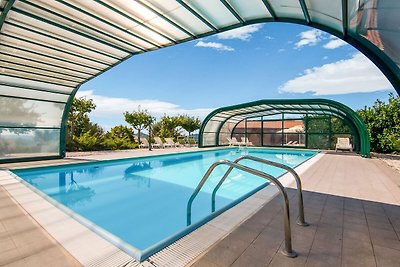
x=21 y=143
x=212 y=126
x=320 y=141
x=294 y=139
x=377 y=21
x=272 y=126
x=293 y=126
x=272 y=139
x=209 y=139
x=17 y=112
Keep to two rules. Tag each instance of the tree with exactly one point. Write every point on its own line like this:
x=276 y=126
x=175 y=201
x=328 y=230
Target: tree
x=190 y=124
x=383 y=122
x=119 y=137
x=139 y=120
x=82 y=134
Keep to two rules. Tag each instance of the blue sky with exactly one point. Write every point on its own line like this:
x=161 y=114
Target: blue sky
x=264 y=61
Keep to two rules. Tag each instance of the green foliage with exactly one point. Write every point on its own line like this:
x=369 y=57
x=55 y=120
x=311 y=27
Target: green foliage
x=119 y=137
x=81 y=132
x=139 y=120
x=190 y=124
x=383 y=122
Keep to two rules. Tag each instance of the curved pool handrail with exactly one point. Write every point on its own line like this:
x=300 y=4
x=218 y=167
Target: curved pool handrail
x=287 y=250
x=301 y=219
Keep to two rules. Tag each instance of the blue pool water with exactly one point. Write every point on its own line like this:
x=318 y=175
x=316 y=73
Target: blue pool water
x=143 y=201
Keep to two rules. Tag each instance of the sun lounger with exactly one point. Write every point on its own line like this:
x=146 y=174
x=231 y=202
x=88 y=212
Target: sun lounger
x=144 y=143
x=343 y=143
x=171 y=142
x=233 y=141
x=160 y=143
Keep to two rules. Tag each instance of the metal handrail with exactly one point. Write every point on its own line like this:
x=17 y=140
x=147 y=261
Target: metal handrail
x=300 y=220
x=287 y=250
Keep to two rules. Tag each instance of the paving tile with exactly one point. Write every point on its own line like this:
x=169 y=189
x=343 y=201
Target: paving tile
x=386 y=256
x=221 y=256
x=357 y=253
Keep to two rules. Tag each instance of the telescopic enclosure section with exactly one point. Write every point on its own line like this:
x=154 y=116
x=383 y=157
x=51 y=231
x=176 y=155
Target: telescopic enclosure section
x=49 y=48
x=296 y=123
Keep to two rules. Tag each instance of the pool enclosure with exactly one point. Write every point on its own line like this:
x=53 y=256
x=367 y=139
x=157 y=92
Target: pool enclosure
x=49 y=48
x=300 y=123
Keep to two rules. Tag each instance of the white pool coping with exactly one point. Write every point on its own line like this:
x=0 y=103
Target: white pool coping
x=91 y=249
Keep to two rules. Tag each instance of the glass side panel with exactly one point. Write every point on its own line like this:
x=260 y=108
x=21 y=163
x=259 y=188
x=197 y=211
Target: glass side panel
x=326 y=12
x=240 y=127
x=287 y=8
x=214 y=11
x=293 y=126
x=339 y=126
x=212 y=126
x=318 y=124
x=272 y=126
x=294 y=139
x=254 y=139
x=209 y=139
x=223 y=138
x=272 y=139
x=250 y=9
x=254 y=126
x=29 y=113
x=377 y=22
x=6 y=90
x=320 y=141
x=21 y=143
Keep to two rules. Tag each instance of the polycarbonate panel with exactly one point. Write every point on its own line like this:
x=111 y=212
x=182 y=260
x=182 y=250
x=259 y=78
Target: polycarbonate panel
x=287 y=8
x=61 y=54
x=326 y=12
x=173 y=10
x=250 y=9
x=212 y=126
x=223 y=139
x=59 y=32
x=7 y=90
x=294 y=139
x=17 y=112
x=148 y=17
x=37 y=77
x=125 y=22
x=272 y=126
x=209 y=139
x=272 y=139
x=102 y=30
x=39 y=65
x=24 y=143
x=35 y=70
x=214 y=11
x=35 y=84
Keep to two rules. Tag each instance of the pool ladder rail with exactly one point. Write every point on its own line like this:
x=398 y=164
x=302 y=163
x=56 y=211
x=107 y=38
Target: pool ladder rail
x=287 y=250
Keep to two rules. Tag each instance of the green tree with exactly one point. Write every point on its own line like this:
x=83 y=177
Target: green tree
x=119 y=137
x=383 y=122
x=139 y=120
x=190 y=124
x=82 y=134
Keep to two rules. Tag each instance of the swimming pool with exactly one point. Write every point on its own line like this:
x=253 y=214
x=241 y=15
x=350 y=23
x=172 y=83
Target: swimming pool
x=143 y=201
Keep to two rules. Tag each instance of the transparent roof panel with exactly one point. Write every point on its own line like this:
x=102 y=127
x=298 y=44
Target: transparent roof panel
x=214 y=11
x=287 y=8
x=326 y=13
x=24 y=83
x=250 y=9
x=7 y=90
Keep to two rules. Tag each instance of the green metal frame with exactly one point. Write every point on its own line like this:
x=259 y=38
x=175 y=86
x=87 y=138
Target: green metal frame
x=329 y=107
x=378 y=57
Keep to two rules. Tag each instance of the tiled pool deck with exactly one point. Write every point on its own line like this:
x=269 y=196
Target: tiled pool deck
x=352 y=203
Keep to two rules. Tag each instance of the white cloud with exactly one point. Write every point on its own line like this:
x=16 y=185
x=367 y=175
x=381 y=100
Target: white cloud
x=335 y=43
x=310 y=38
x=357 y=74
x=269 y=37
x=281 y=50
x=214 y=45
x=113 y=107
x=243 y=33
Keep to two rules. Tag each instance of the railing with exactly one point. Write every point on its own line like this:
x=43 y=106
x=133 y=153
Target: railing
x=287 y=251
x=300 y=220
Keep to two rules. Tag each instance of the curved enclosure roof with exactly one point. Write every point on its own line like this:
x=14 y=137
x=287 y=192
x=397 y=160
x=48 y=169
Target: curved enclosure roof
x=221 y=123
x=49 y=48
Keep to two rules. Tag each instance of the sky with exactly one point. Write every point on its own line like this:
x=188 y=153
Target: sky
x=262 y=61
